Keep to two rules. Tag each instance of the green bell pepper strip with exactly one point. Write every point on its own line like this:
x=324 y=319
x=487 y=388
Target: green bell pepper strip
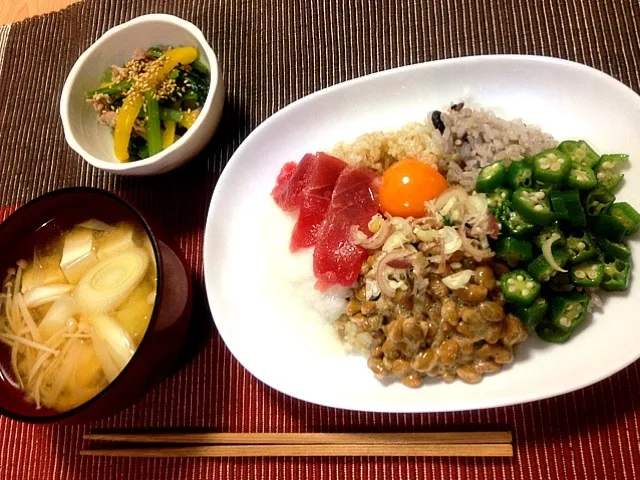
x=513 y=223
x=598 y=200
x=541 y=270
x=535 y=313
x=497 y=199
x=569 y=310
x=532 y=205
x=587 y=274
x=566 y=206
x=616 y=275
x=113 y=89
x=580 y=152
x=550 y=333
x=581 y=177
x=518 y=288
x=606 y=171
x=580 y=248
x=513 y=251
x=552 y=229
x=154 y=130
x=627 y=215
x=610 y=227
x=491 y=177
x=614 y=249
x=551 y=167
x=519 y=175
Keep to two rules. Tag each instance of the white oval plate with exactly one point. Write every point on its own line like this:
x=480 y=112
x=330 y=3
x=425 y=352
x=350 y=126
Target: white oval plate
x=566 y=99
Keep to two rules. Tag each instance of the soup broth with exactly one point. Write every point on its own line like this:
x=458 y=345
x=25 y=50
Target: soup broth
x=73 y=313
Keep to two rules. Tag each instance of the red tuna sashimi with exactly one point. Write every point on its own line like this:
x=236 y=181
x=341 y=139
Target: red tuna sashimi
x=316 y=198
x=336 y=259
x=291 y=182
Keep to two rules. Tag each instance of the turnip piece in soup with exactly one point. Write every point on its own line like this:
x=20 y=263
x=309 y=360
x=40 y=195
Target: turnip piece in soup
x=115 y=240
x=42 y=271
x=78 y=254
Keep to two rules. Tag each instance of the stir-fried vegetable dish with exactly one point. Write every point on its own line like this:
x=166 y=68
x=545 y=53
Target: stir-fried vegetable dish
x=152 y=100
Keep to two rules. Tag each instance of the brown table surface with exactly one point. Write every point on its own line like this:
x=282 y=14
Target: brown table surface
x=16 y=10
x=271 y=53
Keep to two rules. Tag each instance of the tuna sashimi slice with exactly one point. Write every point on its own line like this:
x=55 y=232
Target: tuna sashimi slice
x=316 y=198
x=336 y=259
x=291 y=182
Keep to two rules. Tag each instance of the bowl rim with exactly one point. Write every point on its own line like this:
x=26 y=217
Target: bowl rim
x=65 y=98
x=69 y=414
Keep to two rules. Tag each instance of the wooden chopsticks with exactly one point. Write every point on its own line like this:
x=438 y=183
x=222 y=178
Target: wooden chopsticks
x=209 y=444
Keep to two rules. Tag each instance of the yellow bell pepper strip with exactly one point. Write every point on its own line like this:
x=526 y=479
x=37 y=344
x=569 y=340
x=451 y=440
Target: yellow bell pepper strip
x=149 y=80
x=168 y=134
x=189 y=118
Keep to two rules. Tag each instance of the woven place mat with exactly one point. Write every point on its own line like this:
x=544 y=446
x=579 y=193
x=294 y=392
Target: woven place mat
x=272 y=53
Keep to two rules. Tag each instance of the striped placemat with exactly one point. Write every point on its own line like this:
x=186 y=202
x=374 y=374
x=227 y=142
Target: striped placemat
x=272 y=53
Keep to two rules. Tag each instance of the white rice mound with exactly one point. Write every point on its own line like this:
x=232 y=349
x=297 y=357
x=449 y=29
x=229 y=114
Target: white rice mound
x=471 y=139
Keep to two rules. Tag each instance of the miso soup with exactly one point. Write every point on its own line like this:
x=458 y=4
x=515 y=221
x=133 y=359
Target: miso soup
x=75 y=311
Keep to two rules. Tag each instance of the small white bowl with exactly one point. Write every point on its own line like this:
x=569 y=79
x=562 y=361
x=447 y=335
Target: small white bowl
x=94 y=141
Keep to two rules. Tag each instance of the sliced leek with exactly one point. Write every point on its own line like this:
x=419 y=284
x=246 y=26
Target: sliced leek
x=39 y=296
x=112 y=342
x=57 y=317
x=106 y=362
x=110 y=282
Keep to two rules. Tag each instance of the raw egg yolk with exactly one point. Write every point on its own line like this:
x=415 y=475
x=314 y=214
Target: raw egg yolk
x=407 y=185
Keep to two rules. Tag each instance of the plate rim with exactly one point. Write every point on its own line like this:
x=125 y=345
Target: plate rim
x=347 y=404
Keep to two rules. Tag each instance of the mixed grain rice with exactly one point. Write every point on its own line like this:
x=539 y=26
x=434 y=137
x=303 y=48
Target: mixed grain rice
x=471 y=140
